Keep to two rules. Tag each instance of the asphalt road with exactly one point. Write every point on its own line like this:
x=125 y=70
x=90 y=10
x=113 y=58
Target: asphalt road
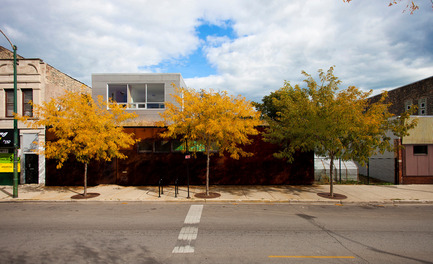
x=214 y=233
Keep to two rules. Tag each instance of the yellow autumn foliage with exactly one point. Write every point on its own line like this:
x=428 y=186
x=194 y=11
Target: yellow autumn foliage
x=214 y=119
x=83 y=128
x=211 y=117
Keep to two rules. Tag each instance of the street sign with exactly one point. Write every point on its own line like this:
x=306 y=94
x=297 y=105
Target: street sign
x=7 y=162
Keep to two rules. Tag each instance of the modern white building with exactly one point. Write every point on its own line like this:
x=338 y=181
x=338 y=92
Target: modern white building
x=145 y=94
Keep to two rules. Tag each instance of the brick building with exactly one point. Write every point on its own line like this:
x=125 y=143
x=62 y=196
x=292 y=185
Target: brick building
x=419 y=93
x=37 y=81
x=414 y=163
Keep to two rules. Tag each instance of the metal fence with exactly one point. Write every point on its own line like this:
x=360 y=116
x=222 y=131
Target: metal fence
x=378 y=170
x=342 y=170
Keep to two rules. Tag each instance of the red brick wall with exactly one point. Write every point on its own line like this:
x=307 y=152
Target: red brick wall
x=414 y=91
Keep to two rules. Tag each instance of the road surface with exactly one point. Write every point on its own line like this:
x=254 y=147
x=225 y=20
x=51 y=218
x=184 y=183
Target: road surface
x=111 y=232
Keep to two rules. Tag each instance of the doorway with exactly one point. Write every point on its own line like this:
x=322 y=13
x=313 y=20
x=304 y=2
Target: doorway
x=31 y=168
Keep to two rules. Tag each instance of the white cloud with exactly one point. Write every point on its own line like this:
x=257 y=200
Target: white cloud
x=308 y=35
x=371 y=44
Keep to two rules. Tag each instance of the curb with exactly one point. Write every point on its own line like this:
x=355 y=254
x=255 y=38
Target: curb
x=233 y=201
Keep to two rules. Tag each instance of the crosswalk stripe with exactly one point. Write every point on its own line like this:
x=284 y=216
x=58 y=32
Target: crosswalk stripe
x=188 y=233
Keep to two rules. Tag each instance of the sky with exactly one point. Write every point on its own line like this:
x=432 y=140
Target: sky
x=245 y=47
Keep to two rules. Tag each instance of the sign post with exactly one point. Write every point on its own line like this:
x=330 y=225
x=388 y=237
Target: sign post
x=15 y=180
x=187 y=157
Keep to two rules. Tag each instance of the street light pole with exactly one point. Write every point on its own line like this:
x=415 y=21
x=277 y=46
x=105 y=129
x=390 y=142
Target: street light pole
x=15 y=178
x=15 y=189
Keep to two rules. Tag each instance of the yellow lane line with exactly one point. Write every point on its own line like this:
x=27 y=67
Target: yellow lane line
x=319 y=257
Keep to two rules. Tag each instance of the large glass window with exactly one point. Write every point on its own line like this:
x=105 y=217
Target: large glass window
x=140 y=95
x=155 y=95
x=118 y=93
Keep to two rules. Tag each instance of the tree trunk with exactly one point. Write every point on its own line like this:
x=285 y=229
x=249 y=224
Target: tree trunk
x=85 y=180
x=207 y=167
x=331 y=177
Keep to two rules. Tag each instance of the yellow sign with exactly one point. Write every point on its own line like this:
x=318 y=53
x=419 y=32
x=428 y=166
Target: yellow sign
x=9 y=167
x=7 y=162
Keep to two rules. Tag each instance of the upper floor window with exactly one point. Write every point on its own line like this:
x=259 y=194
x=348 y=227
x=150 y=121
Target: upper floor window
x=422 y=106
x=9 y=102
x=27 y=99
x=139 y=95
x=407 y=105
x=118 y=93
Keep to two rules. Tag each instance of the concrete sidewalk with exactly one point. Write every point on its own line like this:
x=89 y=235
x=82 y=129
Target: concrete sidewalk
x=397 y=194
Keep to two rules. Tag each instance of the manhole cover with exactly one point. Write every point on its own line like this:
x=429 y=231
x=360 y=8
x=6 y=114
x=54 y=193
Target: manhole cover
x=89 y=195
x=210 y=196
x=336 y=196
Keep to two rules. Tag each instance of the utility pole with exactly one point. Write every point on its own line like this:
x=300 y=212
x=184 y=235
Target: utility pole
x=15 y=178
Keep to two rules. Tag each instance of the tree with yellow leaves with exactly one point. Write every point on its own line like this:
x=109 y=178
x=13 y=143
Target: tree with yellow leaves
x=214 y=119
x=337 y=124
x=83 y=128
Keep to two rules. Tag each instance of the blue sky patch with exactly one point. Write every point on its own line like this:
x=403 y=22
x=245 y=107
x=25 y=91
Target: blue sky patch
x=196 y=65
x=224 y=30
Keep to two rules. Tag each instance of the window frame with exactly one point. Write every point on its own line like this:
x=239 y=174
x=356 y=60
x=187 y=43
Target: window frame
x=150 y=143
x=420 y=150
x=132 y=104
x=193 y=147
x=24 y=103
x=407 y=105
x=422 y=110
x=7 y=104
x=162 y=146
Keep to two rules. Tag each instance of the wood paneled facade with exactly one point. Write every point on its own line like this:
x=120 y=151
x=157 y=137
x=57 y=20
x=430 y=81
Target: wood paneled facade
x=147 y=168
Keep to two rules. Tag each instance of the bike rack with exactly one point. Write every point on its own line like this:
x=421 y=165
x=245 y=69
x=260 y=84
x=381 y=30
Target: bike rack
x=160 y=188
x=176 y=188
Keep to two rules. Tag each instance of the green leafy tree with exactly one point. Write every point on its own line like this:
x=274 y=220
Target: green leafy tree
x=267 y=108
x=83 y=128
x=214 y=119
x=337 y=124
